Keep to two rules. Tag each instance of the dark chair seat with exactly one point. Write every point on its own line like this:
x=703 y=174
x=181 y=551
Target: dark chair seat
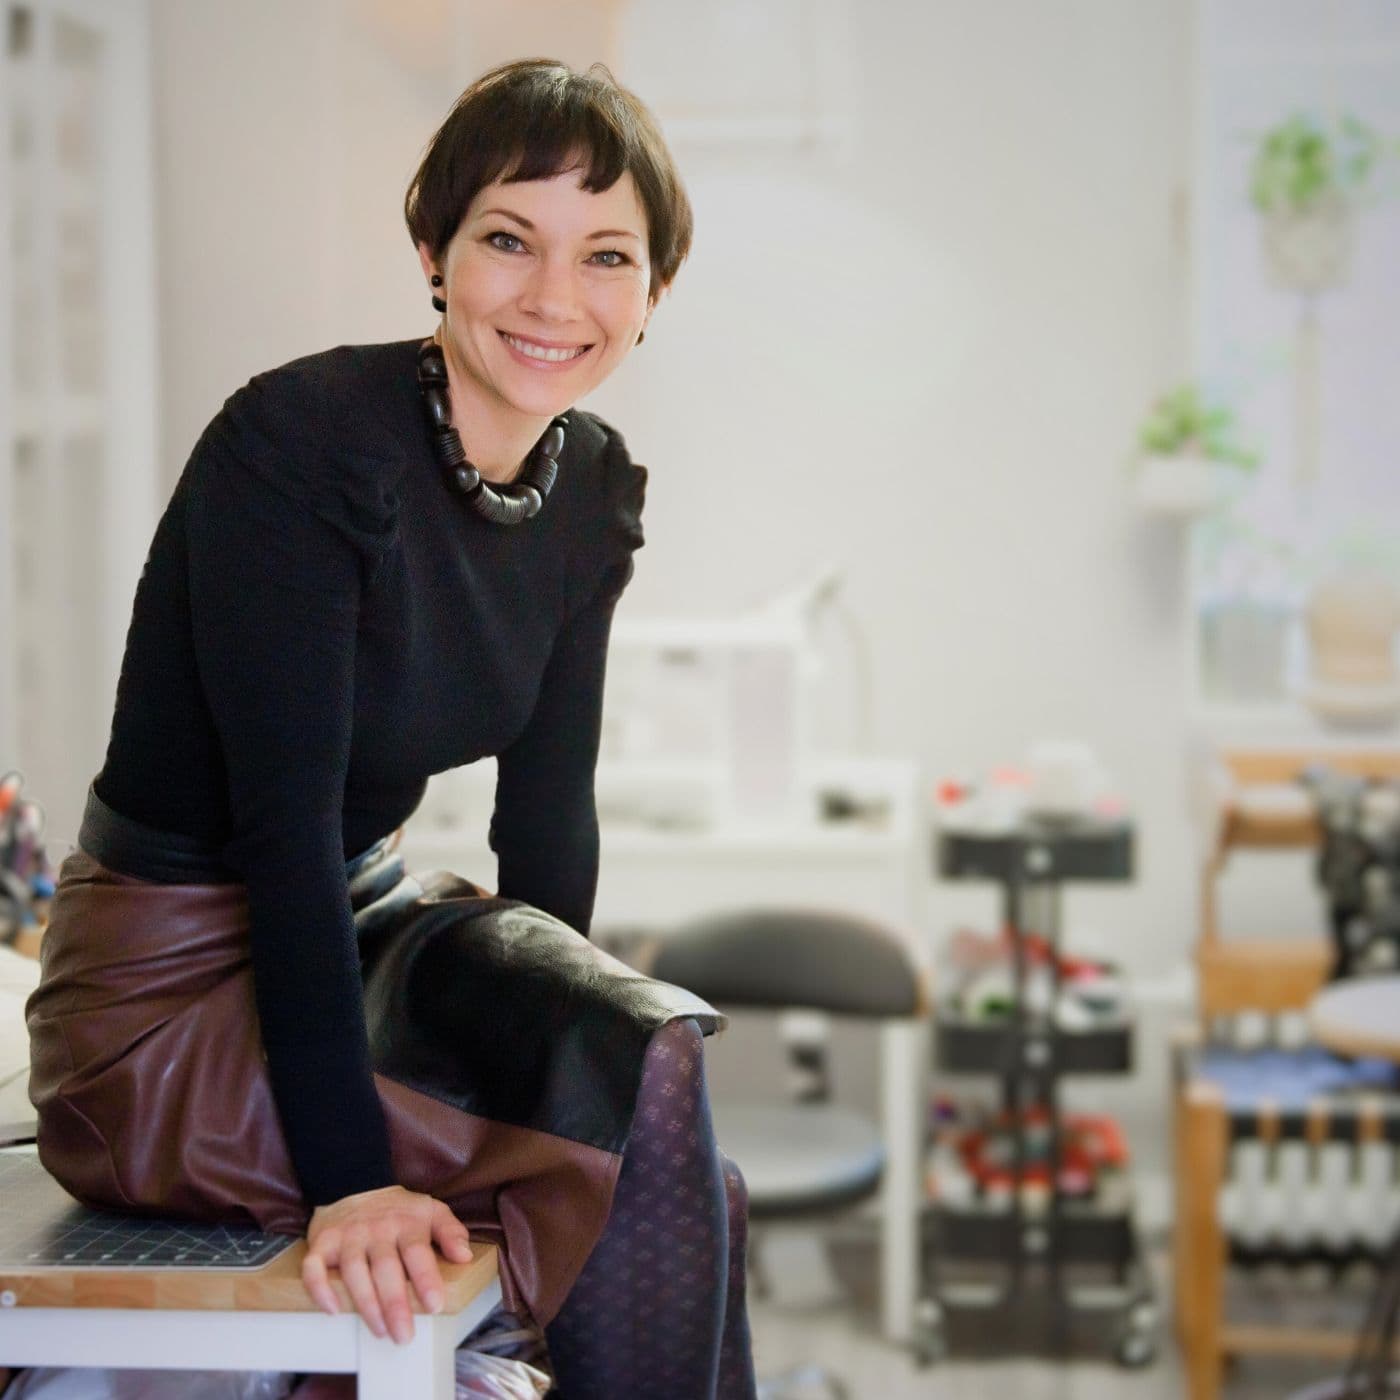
x=804 y=1160
x=800 y=1157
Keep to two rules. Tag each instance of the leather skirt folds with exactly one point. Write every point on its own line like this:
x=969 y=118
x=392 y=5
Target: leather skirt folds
x=507 y=1050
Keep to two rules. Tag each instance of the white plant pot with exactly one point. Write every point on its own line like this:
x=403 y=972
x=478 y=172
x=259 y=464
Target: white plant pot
x=1181 y=487
x=1352 y=623
x=1244 y=651
x=1309 y=250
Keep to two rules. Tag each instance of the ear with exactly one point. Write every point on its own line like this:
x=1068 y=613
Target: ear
x=651 y=306
x=425 y=257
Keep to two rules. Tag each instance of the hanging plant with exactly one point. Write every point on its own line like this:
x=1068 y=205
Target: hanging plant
x=1304 y=165
x=1184 y=423
x=1183 y=444
x=1305 y=181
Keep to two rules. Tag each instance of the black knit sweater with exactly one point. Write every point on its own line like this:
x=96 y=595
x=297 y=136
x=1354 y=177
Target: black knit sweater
x=321 y=624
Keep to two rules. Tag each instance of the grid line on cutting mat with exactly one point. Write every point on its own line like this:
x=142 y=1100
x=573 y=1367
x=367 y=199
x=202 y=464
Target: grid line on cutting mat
x=41 y=1226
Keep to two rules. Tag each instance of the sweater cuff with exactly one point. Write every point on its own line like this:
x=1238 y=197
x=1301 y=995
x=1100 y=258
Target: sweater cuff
x=332 y=1119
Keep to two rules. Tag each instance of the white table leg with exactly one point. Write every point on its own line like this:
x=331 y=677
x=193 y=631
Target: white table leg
x=904 y=1055
x=422 y=1369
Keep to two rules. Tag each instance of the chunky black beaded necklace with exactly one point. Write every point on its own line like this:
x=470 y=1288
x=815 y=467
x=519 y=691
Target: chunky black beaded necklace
x=503 y=505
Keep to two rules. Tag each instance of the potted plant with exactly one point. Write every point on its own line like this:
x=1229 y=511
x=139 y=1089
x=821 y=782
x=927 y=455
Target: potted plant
x=1352 y=617
x=1184 y=443
x=1249 y=583
x=1304 y=182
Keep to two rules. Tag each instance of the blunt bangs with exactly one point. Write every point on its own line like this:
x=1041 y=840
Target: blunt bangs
x=535 y=119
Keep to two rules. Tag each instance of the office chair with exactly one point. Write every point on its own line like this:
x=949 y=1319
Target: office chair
x=808 y=1160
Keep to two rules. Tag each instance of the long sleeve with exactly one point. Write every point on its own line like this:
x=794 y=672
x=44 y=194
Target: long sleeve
x=274 y=594
x=323 y=625
x=545 y=826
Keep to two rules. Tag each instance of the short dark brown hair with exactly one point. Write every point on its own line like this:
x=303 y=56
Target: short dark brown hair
x=536 y=118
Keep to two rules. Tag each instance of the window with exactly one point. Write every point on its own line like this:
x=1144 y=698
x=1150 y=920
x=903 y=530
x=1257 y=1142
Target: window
x=1312 y=376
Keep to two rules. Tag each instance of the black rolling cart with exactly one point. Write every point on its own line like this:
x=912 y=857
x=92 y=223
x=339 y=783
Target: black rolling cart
x=1068 y=1273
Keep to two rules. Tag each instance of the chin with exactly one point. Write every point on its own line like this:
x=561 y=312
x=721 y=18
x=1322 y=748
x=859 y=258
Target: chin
x=537 y=405
x=551 y=396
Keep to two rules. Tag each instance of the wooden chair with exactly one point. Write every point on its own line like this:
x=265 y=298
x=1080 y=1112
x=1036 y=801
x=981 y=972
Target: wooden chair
x=1271 y=980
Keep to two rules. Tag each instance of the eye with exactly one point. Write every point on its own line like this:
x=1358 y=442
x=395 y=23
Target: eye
x=506 y=242
x=616 y=258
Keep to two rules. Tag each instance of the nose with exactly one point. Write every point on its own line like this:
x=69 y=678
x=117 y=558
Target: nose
x=552 y=292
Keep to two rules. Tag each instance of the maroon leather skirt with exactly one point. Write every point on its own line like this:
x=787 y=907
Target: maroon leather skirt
x=510 y=1098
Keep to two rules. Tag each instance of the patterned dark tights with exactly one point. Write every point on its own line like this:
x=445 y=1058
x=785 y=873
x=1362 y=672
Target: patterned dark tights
x=659 y=1310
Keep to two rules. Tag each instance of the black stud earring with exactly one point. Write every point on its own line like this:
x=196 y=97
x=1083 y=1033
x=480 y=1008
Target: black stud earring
x=438 y=303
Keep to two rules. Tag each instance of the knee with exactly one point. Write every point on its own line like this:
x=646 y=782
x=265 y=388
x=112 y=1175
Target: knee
x=674 y=1064
x=679 y=1036
x=736 y=1189
x=672 y=1088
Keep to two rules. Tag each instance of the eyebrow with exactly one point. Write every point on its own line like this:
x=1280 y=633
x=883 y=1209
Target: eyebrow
x=526 y=224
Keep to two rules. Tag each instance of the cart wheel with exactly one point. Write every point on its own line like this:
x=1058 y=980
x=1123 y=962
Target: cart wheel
x=930 y=1342
x=1136 y=1348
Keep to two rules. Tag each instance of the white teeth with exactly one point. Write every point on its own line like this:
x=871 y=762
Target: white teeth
x=541 y=352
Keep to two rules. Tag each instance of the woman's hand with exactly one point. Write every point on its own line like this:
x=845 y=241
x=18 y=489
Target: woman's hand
x=375 y=1238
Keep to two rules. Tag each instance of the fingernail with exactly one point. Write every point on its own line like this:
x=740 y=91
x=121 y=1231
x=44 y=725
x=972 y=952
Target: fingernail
x=434 y=1301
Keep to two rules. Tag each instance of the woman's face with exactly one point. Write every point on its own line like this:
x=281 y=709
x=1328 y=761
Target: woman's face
x=547 y=288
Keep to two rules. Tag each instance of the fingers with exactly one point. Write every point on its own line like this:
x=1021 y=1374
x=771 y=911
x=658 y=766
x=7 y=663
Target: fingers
x=381 y=1241
x=386 y=1269
x=355 y=1273
x=376 y=1277
x=316 y=1280
x=422 y=1266
x=450 y=1234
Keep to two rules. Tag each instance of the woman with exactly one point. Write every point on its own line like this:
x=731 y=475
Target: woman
x=382 y=561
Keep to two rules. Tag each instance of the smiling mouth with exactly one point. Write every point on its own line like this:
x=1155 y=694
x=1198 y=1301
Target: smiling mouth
x=545 y=354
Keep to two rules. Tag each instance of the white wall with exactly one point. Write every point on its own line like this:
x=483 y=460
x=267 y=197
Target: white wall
x=929 y=365
x=286 y=136
x=926 y=363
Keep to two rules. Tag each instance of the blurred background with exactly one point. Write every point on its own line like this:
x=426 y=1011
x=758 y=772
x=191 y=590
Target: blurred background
x=1024 y=448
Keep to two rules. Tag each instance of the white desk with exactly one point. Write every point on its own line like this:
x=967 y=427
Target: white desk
x=657 y=879
x=213 y=1321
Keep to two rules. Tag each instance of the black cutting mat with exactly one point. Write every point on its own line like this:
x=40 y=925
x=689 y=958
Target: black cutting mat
x=42 y=1226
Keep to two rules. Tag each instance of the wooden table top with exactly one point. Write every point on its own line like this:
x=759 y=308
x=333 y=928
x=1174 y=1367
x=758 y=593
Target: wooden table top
x=1359 y=1016
x=275 y=1288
